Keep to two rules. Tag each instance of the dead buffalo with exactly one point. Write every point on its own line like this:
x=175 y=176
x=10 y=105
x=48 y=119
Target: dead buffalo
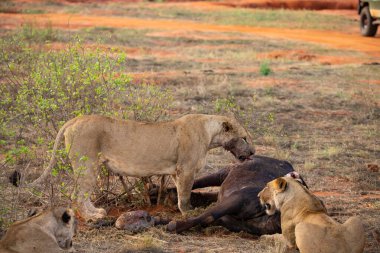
x=238 y=207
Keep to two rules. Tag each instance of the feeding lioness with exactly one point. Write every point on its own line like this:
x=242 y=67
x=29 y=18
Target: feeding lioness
x=305 y=223
x=50 y=231
x=131 y=148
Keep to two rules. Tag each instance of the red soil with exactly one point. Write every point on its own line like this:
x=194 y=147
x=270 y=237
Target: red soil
x=371 y=82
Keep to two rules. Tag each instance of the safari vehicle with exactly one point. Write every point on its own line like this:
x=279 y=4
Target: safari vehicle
x=369 y=11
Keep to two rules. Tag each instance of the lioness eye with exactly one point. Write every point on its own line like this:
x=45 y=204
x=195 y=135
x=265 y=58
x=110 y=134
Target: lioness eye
x=267 y=206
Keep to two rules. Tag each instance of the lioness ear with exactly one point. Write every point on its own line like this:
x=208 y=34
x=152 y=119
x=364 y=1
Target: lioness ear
x=280 y=184
x=66 y=217
x=227 y=126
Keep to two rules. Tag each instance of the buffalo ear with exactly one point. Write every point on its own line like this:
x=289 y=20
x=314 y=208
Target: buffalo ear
x=66 y=217
x=227 y=126
x=280 y=184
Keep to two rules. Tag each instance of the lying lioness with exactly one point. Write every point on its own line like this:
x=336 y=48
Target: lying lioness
x=130 y=148
x=304 y=221
x=50 y=231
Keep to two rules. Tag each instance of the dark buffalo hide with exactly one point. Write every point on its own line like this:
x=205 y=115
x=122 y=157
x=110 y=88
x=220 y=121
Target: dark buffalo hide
x=238 y=207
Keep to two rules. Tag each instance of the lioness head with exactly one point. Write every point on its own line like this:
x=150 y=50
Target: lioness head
x=235 y=139
x=66 y=226
x=268 y=196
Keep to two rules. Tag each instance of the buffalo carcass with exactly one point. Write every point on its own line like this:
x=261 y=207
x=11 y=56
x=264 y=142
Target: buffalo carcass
x=238 y=207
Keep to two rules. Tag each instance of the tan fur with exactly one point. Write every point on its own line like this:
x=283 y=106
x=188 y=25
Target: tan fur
x=138 y=149
x=46 y=232
x=305 y=223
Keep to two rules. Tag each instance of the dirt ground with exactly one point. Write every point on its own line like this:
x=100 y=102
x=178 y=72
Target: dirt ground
x=323 y=91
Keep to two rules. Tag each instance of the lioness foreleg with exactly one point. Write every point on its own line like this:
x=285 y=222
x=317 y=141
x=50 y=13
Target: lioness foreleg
x=184 y=180
x=289 y=235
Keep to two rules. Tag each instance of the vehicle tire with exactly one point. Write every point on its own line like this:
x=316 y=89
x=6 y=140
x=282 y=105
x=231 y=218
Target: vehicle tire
x=366 y=27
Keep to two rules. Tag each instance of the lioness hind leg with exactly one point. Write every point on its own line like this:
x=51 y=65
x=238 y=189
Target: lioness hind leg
x=86 y=184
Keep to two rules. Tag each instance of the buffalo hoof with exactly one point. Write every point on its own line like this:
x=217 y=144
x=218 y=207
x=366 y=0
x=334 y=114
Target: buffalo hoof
x=171 y=227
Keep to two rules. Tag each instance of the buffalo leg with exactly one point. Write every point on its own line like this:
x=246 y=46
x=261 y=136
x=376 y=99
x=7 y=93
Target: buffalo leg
x=215 y=179
x=264 y=225
x=197 y=199
x=204 y=199
x=232 y=205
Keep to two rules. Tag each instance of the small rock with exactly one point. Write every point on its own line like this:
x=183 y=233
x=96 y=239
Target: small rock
x=134 y=221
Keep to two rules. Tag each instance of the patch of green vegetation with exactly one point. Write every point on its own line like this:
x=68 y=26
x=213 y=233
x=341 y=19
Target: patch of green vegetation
x=73 y=9
x=265 y=70
x=56 y=86
x=226 y=105
x=283 y=18
x=33 y=11
x=149 y=102
x=280 y=18
x=103 y=29
x=114 y=36
x=30 y=33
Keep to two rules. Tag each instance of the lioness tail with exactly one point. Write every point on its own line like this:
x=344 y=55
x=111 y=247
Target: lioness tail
x=15 y=177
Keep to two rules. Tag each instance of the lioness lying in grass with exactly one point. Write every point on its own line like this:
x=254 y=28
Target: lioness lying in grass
x=304 y=222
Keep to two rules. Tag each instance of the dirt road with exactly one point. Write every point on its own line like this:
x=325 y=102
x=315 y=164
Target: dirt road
x=66 y=21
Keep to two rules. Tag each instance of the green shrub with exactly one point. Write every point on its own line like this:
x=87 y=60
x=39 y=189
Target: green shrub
x=19 y=153
x=33 y=11
x=59 y=85
x=148 y=102
x=29 y=33
x=265 y=69
x=226 y=105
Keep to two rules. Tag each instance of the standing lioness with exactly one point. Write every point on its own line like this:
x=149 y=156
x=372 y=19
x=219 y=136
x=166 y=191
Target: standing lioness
x=305 y=223
x=138 y=149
